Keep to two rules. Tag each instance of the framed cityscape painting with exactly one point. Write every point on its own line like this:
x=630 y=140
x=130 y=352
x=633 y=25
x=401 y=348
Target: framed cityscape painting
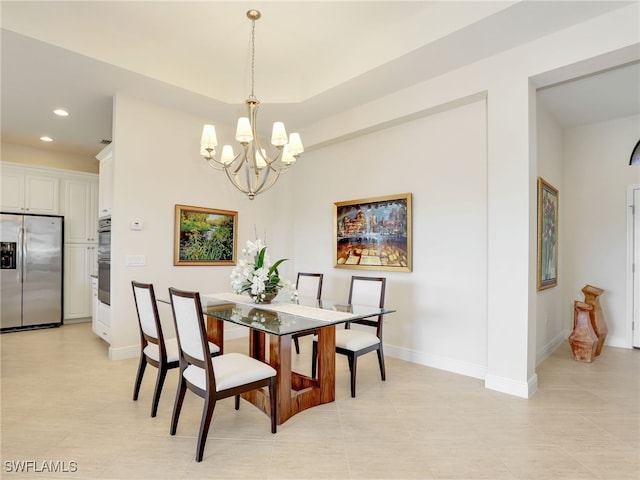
x=547 y=271
x=373 y=233
x=204 y=236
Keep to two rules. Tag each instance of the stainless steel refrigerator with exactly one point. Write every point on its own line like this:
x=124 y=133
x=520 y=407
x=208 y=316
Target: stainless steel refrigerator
x=30 y=271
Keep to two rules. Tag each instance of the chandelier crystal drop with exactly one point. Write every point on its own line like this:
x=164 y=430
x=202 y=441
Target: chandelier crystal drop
x=252 y=170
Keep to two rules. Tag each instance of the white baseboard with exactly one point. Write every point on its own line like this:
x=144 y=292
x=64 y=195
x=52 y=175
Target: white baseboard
x=507 y=385
x=492 y=382
x=133 y=351
x=71 y=321
x=234 y=332
x=436 y=361
x=550 y=347
x=122 y=353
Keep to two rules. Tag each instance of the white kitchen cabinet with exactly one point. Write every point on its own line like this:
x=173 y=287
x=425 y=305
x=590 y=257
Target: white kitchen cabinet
x=80 y=262
x=28 y=190
x=105 y=195
x=81 y=210
x=94 y=301
x=103 y=324
x=100 y=321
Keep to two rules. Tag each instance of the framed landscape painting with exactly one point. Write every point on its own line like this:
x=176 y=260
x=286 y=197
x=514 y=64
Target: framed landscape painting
x=547 y=235
x=373 y=233
x=204 y=236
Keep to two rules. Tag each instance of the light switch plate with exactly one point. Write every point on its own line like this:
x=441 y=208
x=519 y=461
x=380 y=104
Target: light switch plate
x=135 y=260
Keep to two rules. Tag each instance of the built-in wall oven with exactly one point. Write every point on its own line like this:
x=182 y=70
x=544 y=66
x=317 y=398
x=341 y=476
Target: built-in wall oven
x=104 y=260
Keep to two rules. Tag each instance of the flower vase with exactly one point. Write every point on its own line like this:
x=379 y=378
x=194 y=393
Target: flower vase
x=591 y=295
x=583 y=339
x=264 y=297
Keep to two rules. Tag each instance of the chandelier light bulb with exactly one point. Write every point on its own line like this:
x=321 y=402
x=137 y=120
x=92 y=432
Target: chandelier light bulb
x=287 y=156
x=227 y=154
x=243 y=132
x=279 y=135
x=209 y=139
x=260 y=159
x=295 y=144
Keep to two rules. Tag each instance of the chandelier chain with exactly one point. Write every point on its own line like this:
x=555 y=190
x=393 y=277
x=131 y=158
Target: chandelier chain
x=253 y=55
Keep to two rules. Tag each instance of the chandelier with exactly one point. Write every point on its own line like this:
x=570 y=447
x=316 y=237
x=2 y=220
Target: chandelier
x=252 y=171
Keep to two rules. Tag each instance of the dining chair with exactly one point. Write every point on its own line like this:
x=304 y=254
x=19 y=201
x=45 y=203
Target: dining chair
x=307 y=285
x=155 y=349
x=212 y=378
x=354 y=342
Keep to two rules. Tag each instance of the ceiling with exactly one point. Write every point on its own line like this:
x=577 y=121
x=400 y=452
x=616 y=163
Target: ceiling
x=313 y=59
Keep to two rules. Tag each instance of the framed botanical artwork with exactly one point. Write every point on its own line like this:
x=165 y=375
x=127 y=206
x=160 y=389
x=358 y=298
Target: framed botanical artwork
x=373 y=233
x=204 y=236
x=547 y=271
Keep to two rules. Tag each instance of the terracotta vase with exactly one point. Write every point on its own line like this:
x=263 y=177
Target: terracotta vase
x=591 y=297
x=583 y=339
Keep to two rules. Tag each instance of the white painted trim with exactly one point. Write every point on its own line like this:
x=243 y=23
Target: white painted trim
x=630 y=253
x=133 y=351
x=122 y=353
x=550 y=347
x=106 y=152
x=436 y=361
x=235 y=332
x=507 y=385
x=72 y=321
x=37 y=169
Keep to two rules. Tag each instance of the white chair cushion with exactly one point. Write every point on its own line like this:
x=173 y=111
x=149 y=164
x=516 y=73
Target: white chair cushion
x=355 y=340
x=307 y=286
x=146 y=313
x=231 y=370
x=171 y=344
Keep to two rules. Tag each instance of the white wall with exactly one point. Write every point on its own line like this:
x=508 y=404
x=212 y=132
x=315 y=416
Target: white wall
x=597 y=173
x=551 y=321
x=441 y=305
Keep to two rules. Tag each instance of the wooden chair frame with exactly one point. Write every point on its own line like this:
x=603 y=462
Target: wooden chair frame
x=320 y=276
x=352 y=355
x=145 y=339
x=210 y=394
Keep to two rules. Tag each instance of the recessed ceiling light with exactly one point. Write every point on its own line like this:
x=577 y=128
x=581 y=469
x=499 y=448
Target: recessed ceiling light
x=61 y=112
x=46 y=139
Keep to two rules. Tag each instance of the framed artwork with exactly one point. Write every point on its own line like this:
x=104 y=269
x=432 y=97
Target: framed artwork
x=373 y=233
x=204 y=236
x=547 y=235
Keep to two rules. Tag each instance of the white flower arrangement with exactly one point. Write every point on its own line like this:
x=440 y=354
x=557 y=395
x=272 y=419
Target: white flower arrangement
x=261 y=278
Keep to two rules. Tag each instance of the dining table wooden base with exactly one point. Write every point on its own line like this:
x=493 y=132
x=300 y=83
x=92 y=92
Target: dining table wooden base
x=296 y=392
x=271 y=331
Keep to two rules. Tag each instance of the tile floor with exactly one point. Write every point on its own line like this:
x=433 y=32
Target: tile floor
x=63 y=401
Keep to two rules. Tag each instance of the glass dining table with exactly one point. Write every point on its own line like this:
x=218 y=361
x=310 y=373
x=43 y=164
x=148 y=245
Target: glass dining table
x=272 y=326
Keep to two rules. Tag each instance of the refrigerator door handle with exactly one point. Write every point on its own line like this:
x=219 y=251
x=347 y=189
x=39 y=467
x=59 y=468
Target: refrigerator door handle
x=21 y=254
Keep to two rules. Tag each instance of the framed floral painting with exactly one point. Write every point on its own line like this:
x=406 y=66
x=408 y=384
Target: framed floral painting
x=547 y=271
x=373 y=233
x=204 y=236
